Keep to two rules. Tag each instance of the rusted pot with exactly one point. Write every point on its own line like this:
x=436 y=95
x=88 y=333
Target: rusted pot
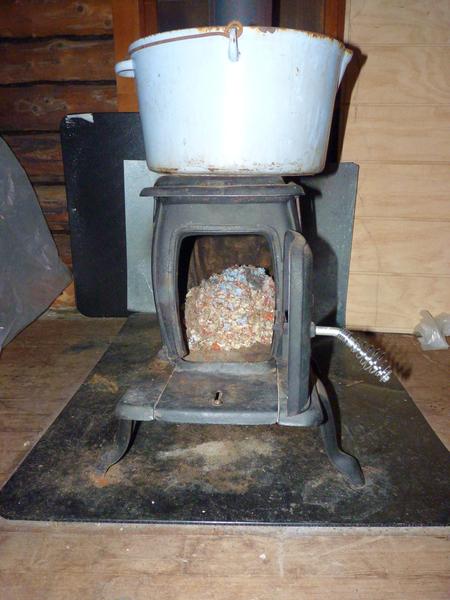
x=236 y=99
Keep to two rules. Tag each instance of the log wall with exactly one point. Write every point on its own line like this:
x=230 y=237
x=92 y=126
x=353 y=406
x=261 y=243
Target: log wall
x=57 y=58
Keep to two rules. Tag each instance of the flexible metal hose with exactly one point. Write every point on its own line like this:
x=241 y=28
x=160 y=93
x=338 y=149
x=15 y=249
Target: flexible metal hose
x=371 y=359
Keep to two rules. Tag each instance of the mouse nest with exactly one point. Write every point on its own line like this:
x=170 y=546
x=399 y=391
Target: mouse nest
x=231 y=310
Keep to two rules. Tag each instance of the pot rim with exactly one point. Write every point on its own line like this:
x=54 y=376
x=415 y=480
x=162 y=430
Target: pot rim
x=174 y=35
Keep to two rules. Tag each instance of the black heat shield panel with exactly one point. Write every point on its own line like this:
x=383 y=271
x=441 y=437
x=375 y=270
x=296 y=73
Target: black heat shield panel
x=94 y=149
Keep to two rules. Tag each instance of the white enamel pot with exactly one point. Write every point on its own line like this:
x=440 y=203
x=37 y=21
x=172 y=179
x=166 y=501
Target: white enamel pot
x=236 y=100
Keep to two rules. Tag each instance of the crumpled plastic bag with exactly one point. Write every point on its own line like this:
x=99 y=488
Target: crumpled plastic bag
x=432 y=331
x=31 y=272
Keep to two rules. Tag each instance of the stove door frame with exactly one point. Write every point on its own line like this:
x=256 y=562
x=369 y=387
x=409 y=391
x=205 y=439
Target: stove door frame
x=212 y=219
x=297 y=304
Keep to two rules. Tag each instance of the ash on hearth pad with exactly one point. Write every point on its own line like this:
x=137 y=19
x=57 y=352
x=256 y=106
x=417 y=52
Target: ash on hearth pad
x=231 y=310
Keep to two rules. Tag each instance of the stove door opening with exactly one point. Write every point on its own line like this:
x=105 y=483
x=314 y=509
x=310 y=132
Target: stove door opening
x=227 y=298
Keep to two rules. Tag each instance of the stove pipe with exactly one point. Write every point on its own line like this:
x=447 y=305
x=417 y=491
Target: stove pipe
x=248 y=12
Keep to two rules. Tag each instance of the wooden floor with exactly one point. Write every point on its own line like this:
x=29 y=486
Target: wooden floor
x=47 y=561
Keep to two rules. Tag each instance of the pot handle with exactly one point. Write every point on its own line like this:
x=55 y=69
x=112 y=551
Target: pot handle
x=124 y=68
x=233 y=30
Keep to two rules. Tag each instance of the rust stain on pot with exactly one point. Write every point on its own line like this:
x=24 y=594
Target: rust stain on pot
x=200 y=167
x=210 y=28
x=165 y=170
x=223 y=31
x=272 y=168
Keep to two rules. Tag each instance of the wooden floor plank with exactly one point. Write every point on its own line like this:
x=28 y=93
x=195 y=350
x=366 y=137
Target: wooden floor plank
x=39 y=372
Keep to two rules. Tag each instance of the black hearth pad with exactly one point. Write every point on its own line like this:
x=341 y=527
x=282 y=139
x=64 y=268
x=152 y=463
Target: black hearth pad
x=229 y=474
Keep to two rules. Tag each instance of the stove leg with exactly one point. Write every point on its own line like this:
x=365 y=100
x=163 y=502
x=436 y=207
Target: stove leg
x=345 y=463
x=121 y=442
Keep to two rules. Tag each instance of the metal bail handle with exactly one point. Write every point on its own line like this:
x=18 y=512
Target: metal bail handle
x=234 y=31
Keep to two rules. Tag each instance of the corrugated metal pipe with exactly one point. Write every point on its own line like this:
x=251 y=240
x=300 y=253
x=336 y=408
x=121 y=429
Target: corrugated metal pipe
x=371 y=359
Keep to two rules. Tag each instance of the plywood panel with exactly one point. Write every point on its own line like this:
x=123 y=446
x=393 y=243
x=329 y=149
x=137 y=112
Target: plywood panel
x=401 y=246
x=401 y=75
x=37 y=18
x=41 y=107
x=388 y=302
x=402 y=298
x=397 y=134
x=398 y=22
x=57 y=60
x=414 y=191
x=398 y=130
x=362 y=301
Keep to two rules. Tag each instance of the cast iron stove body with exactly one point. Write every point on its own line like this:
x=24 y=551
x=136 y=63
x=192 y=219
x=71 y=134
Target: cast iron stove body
x=283 y=389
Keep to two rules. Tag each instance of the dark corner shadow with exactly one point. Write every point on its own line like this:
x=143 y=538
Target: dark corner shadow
x=325 y=261
x=347 y=88
x=325 y=286
x=325 y=271
x=321 y=370
x=393 y=353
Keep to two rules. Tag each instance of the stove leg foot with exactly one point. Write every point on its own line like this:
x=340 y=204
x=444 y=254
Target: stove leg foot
x=345 y=463
x=120 y=446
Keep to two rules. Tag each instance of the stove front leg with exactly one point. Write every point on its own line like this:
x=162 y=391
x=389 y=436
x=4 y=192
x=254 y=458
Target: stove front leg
x=345 y=463
x=121 y=442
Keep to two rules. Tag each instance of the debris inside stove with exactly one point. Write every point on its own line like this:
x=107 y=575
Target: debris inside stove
x=231 y=310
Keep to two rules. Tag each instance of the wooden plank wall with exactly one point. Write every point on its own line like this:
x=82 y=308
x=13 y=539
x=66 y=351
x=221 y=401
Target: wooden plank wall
x=57 y=58
x=397 y=129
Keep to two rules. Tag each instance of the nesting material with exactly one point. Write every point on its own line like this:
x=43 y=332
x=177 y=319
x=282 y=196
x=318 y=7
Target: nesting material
x=231 y=310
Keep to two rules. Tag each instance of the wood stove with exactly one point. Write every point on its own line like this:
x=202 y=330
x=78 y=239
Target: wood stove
x=227 y=111
x=283 y=388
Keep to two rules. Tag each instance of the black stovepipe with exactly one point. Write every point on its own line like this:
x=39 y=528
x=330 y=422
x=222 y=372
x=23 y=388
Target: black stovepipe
x=248 y=12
